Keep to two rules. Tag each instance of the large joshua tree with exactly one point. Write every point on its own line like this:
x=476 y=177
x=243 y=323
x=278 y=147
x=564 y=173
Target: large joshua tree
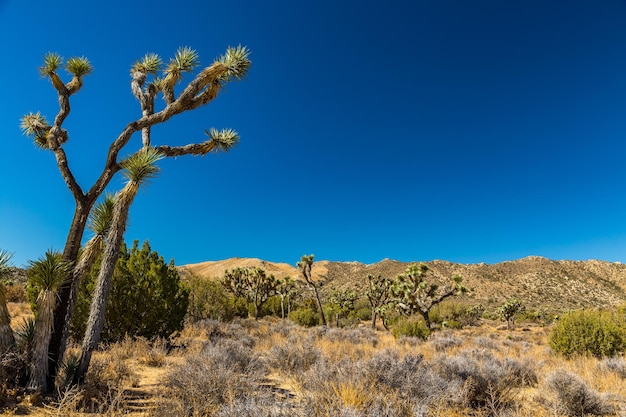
x=149 y=78
x=47 y=274
x=138 y=168
x=7 y=340
x=412 y=292
x=305 y=265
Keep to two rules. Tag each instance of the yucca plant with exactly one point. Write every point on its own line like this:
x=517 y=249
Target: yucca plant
x=25 y=336
x=48 y=273
x=7 y=340
x=138 y=168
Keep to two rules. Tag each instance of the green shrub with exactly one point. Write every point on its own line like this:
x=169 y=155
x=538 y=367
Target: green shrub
x=305 y=316
x=363 y=309
x=410 y=327
x=594 y=333
x=446 y=311
x=147 y=298
x=208 y=300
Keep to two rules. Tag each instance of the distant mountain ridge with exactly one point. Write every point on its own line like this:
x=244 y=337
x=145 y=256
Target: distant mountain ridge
x=538 y=282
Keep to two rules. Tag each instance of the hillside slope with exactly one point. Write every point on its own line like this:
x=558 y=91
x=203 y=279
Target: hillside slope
x=538 y=282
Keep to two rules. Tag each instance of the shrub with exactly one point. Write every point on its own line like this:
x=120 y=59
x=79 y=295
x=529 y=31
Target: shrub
x=614 y=364
x=221 y=373
x=208 y=300
x=574 y=396
x=294 y=356
x=587 y=332
x=485 y=380
x=410 y=327
x=304 y=317
x=362 y=309
x=147 y=298
x=14 y=293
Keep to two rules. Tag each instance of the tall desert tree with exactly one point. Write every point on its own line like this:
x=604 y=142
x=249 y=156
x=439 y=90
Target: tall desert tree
x=379 y=295
x=252 y=284
x=305 y=265
x=149 y=78
x=47 y=274
x=138 y=168
x=414 y=294
x=7 y=339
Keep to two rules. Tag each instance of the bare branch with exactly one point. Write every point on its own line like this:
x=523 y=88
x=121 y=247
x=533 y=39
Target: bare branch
x=191 y=149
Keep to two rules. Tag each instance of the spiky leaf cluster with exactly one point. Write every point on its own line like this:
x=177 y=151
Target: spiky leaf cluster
x=36 y=126
x=237 y=61
x=48 y=272
x=101 y=216
x=51 y=64
x=141 y=165
x=185 y=60
x=151 y=63
x=222 y=140
x=78 y=66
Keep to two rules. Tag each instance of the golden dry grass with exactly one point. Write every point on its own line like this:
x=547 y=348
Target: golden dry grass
x=138 y=364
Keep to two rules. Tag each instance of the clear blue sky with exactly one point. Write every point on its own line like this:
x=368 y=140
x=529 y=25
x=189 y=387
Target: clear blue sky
x=470 y=131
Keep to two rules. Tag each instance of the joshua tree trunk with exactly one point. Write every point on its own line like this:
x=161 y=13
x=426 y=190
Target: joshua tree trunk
x=95 y=323
x=7 y=340
x=66 y=294
x=374 y=317
x=319 y=304
x=43 y=332
x=282 y=306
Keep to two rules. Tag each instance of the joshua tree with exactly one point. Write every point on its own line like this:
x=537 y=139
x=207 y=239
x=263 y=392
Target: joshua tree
x=305 y=265
x=508 y=311
x=253 y=285
x=344 y=301
x=7 y=340
x=47 y=274
x=286 y=290
x=414 y=295
x=378 y=293
x=145 y=85
x=138 y=168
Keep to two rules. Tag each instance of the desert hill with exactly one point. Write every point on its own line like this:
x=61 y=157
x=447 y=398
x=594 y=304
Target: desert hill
x=537 y=281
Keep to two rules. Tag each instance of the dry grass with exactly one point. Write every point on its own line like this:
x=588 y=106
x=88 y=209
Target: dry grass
x=275 y=368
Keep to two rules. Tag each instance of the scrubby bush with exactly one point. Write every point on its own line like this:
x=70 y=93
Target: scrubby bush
x=594 y=333
x=208 y=300
x=410 y=327
x=362 y=309
x=615 y=364
x=485 y=381
x=574 y=397
x=305 y=316
x=294 y=356
x=221 y=373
